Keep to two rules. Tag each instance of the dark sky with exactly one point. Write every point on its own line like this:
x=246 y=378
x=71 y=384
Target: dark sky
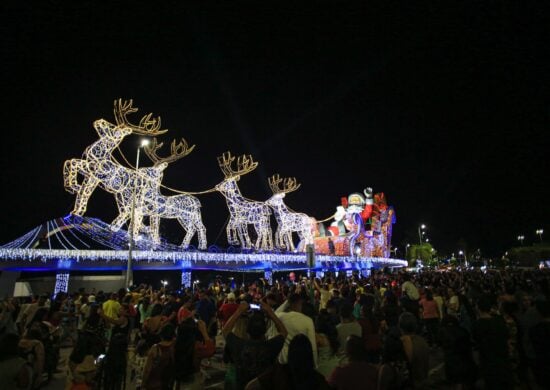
x=444 y=107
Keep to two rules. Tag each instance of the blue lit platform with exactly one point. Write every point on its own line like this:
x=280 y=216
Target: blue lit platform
x=88 y=244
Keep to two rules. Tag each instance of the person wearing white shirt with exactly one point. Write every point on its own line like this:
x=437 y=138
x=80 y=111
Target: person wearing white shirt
x=290 y=314
x=348 y=326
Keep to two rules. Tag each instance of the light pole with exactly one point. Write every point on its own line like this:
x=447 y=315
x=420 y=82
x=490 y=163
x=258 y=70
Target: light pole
x=539 y=233
x=461 y=253
x=520 y=239
x=420 y=231
x=129 y=273
x=407 y=250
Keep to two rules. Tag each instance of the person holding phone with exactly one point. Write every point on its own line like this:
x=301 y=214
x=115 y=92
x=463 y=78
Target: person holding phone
x=252 y=357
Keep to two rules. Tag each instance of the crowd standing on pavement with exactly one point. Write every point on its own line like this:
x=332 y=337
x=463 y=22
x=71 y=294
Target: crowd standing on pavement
x=491 y=329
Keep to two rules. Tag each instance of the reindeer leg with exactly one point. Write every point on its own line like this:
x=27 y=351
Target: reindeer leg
x=88 y=187
x=123 y=213
x=189 y=228
x=201 y=231
x=231 y=233
x=290 y=241
x=154 y=228
x=70 y=175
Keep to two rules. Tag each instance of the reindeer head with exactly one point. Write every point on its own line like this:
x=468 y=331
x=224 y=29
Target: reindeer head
x=178 y=151
x=289 y=184
x=245 y=164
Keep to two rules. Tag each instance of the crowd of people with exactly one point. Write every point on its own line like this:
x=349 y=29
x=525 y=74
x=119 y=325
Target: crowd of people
x=492 y=330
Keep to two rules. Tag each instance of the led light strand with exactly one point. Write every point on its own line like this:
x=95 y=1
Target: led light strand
x=243 y=212
x=288 y=221
x=61 y=283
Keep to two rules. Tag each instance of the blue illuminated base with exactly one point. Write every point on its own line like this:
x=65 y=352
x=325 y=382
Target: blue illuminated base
x=66 y=260
x=76 y=243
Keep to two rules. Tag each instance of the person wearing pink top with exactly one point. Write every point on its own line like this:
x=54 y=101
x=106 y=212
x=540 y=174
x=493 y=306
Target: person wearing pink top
x=430 y=315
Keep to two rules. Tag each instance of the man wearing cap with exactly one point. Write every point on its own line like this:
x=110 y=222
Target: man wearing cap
x=227 y=308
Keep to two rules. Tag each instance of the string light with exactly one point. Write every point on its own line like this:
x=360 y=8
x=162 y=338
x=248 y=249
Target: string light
x=242 y=211
x=186 y=279
x=142 y=186
x=59 y=241
x=288 y=221
x=268 y=276
x=61 y=283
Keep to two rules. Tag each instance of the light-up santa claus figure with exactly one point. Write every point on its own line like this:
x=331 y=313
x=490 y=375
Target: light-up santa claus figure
x=346 y=216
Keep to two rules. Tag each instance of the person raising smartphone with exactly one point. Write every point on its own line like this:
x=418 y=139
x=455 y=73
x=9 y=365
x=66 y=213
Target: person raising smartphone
x=252 y=357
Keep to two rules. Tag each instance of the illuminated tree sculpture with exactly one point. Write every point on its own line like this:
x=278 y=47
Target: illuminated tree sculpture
x=288 y=221
x=243 y=212
x=97 y=165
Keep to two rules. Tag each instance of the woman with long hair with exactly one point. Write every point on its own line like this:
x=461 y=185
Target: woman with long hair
x=370 y=330
x=327 y=343
x=159 y=371
x=113 y=367
x=153 y=325
x=192 y=345
x=298 y=374
x=358 y=373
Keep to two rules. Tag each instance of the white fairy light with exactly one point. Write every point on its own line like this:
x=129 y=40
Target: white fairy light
x=61 y=283
x=186 y=279
x=142 y=186
x=189 y=258
x=243 y=212
x=288 y=221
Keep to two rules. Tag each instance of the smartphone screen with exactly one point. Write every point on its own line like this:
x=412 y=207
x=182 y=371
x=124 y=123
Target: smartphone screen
x=254 y=306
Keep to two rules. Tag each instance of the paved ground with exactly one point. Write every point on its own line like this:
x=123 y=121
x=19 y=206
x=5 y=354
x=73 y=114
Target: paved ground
x=214 y=370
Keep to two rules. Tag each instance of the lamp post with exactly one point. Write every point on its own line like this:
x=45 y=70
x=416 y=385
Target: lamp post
x=461 y=253
x=129 y=274
x=407 y=250
x=420 y=231
x=539 y=233
x=520 y=239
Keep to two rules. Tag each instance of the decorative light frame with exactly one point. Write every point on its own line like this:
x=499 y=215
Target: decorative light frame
x=242 y=211
x=288 y=221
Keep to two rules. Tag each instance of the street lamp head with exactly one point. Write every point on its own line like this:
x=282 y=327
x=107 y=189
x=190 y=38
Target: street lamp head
x=408 y=245
x=144 y=142
x=427 y=240
x=422 y=226
x=460 y=253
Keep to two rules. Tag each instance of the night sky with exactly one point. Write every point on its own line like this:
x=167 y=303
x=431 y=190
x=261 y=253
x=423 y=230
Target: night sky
x=443 y=107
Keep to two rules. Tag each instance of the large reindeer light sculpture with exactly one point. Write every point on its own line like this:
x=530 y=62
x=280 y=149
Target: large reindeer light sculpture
x=243 y=212
x=185 y=208
x=97 y=166
x=288 y=221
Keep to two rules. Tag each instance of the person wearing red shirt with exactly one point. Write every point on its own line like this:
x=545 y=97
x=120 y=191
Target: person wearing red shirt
x=185 y=310
x=227 y=309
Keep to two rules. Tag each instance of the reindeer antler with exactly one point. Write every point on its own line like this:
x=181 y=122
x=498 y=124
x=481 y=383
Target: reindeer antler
x=289 y=184
x=245 y=164
x=178 y=151
x=147 y=125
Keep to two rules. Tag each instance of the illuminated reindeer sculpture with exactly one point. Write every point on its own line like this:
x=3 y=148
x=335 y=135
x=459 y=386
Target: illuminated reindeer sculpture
x=97 y=166
x=243 y=212
x=185 y=208
x=288 y=221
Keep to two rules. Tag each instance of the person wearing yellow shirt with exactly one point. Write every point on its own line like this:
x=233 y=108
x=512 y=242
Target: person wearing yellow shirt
x=111 y=307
